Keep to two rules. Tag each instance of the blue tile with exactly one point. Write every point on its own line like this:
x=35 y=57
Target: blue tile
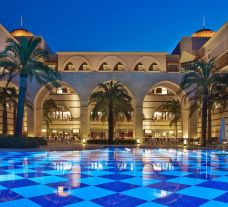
x=117 y=176
x=84 y=204
x=48 y=179
x=186 y=180
x=9 y=195
x=221 y=179
x=145 y=193
x=119 y=200
x=18 y=203
x=17 y=183
x=201 y=192
x=223 y=198
x=161 y=177
x=151 y=204
x=21 y=170
x=71 y=184
x=214 y=204
x=117 y=186
x=141 y=182
x=91 y=192
x=97 y=181
x=178 y=200
x=32 y=174
x=215 y=185
x=8 y=177
x=75 y=176
x=55 y=200
x=202 y=176
x=168 y=186
x=33 y=190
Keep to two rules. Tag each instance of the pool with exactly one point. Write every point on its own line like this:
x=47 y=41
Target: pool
x=119 y=177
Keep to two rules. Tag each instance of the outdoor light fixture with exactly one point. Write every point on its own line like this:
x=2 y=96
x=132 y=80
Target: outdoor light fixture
x=44 y=130
x=185 y=141
x=138 y=141
x=83 y=140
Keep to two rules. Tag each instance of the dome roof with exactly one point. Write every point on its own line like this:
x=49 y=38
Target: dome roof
x=21 y=32
x=203 y=33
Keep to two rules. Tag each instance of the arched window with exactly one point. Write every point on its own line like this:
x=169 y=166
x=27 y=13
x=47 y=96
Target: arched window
x=104 y=66
x=119 y=67
x=69 y=66
x=153 y=67
x=62 y=113
x=139 y=67
x=83 y=66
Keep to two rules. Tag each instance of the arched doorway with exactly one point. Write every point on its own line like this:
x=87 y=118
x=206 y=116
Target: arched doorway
x=11 y=113
x=123 y=129
x=65 y=118
x=156 y=123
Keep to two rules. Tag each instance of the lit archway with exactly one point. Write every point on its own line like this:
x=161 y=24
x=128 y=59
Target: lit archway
x=123 y=128
x=65 y=120
x=11 y=113
x=156 y=123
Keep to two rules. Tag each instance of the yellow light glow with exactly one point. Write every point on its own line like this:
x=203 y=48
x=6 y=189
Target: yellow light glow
x=44 y=130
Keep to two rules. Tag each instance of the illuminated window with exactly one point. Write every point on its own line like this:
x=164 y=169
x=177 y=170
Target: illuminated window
x=63 y=90
x=161 y=116
x=139 y=67
x=52 y=66
x=69 y=66
x=104 y=66
x=160 y=91
x=61 y=113
x=119 y=67
x=84 y=66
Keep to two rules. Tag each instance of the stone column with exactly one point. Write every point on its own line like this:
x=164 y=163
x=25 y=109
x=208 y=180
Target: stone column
x=37 y=121
x=138 y=123
x=85 y=121
x=185 y=123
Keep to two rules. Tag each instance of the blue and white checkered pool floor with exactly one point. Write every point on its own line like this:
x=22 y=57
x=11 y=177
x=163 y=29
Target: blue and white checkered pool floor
x=119 y=177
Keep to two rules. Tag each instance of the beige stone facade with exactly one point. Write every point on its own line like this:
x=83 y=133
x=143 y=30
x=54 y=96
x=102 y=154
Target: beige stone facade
x=152 y=78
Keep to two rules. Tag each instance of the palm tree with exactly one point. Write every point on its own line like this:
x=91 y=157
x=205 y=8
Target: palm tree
x=8 y=97
x=48 y=106
x=201 y=83
x=173 y=108
x=26 y=58
x=111 y=102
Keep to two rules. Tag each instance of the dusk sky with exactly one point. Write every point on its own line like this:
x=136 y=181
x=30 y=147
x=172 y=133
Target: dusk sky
x=113 y=25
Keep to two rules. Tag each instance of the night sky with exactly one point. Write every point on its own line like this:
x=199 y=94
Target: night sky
x=113 y=25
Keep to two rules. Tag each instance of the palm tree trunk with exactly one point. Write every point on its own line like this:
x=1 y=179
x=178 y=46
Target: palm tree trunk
x=4 y=118
x=176 y=129
x=20 y=106
x=47 y=127
x=209 y=125
x=204 y=118
x=110 y=124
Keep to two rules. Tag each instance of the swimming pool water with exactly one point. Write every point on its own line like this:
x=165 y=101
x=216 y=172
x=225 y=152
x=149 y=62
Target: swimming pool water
x=119 y=177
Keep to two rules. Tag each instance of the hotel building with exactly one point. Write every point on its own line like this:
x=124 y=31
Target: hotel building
x=152 y=78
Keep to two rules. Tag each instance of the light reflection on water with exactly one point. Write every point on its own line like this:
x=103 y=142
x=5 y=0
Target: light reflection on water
x=80 y=168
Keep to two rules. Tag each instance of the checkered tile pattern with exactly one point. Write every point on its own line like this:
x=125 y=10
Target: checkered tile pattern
x=118 y=177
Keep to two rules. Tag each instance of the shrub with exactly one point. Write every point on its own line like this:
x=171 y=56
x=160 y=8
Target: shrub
x=21 y=142
x=115 y=142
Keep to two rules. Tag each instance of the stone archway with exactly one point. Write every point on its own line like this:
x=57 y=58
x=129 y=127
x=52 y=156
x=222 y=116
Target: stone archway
x=123 y=129
x=11 y=113
x=69 y=98
x=187 y=128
